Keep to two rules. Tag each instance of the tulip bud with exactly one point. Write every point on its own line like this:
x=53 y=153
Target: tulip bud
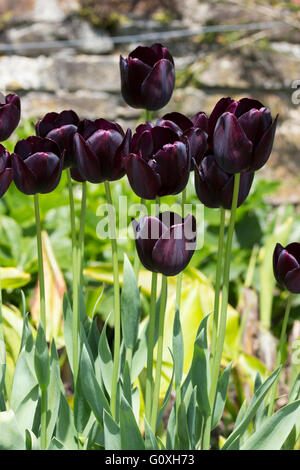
x=214 y=187
x=10 y=112
x=286 y=266
x=243 y=135
x=6 y=172
x=37 y=165
x=147 y=77
x=61 y=128
x=165 y=244
x=160 y=162
x=100 y=148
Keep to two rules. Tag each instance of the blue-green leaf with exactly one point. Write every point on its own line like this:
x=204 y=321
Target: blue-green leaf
x=41 y=359
x=221 y=396
x=112 y=436
x=131 y=438
x=130 y=306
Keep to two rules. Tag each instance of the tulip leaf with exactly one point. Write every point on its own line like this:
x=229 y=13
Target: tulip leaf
x=274 y=432
x=178 y=348
x=68 y=328
x=221 y=395
x=11 y=437
x=65 y=429
x=112 y=436
x=182 y=436
x=105 y=358
x=150 y=439
x=54 y=390
x=255 y=402
x=130 y=306
x=90 y=387
x=41 y=359
x=13 y=278
x=131 y=438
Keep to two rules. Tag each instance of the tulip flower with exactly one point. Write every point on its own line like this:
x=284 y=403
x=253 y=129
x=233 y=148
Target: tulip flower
x=147 y=77
x=192 y=129
x=37 y=164
x=6 y=172
x=243 y=135
x=61 y=128
x=286 y=266
x=100 y=147
x=214 y=187
x=159 y=163
x=165 y=244
x=10 y=112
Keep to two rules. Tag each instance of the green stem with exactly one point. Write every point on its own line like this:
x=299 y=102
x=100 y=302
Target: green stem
x=40 y=261
x=280 y=353
x=81 y=233
x=151 y=340
x=148 y=115
x=76 y=323
x=218 y=285
x=117 y=317
x=223 y=315
x=42 y=313
x=163 y=301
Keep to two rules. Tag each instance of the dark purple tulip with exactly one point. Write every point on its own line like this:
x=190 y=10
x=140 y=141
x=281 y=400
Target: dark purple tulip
x=61 y=128
x=100 y=148
x=243 y=135
x=147 y=77
x=6 y=172
x=192 y=129
x=159 y=163
x=214 y=187
x=165 y=244
x=286 y=265
x=10 y=112
x=37 y=165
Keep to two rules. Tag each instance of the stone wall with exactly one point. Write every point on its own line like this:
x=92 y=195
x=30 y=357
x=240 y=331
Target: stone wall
x=85 y=77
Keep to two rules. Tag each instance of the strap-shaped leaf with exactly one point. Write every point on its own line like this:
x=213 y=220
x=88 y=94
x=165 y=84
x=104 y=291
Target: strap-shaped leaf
x=112 y=436
x=178 y=348
x=221 y=396
x=130 y=306
x=131 y=438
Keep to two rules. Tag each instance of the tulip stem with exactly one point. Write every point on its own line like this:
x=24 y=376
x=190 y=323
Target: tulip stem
x=76 y=324
x=223 y=315
x=117 y=317
x=81 y=232
x=162 y=309
x=148 y=115
x=40 y=261
x=42 y=313
x=280 y=353
x=151 y=340
x=218 y=285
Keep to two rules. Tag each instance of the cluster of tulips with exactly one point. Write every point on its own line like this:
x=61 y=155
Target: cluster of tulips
x=223 y=150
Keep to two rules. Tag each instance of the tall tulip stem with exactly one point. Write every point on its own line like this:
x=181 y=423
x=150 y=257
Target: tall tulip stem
x=117 y=313
x=280 y=352
x=163 y=301
x=218 y=284
x=76 y=323
x=223 y=314
x=81 y=233
x=136 y=263
x=148 y=115
x=151 y=339
x=42 y=313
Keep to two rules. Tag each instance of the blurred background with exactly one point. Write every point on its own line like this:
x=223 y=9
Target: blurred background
x=64 y=54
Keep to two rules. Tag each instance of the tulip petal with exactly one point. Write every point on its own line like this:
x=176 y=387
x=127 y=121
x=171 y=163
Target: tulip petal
x=157 y=87
x=6 y=177
x=292 y=281
x=197 y=140
x=162 y=136
x=294 y=249
x=10 y=114
x=55 y=120
x=76 y=175
x=162 y=52
x=147 y=232
x=203 y=189
x=218 y=110
x=87 y=127
x=88 y=163
x=148 y=55
x=118 y=168
x=277 y=251
x=246 y=181
x=64 y=137
x=26 y=147
x=286 y=262
x=23 y=176
x=4 y=158
x=144 y=181
x=133 y=73
x=263 y=150
x=170 y=218
x=232 y=148
x=175 y=157
x=244 y=105
x=173 y=251
x=183 y=122
x=200 y=120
